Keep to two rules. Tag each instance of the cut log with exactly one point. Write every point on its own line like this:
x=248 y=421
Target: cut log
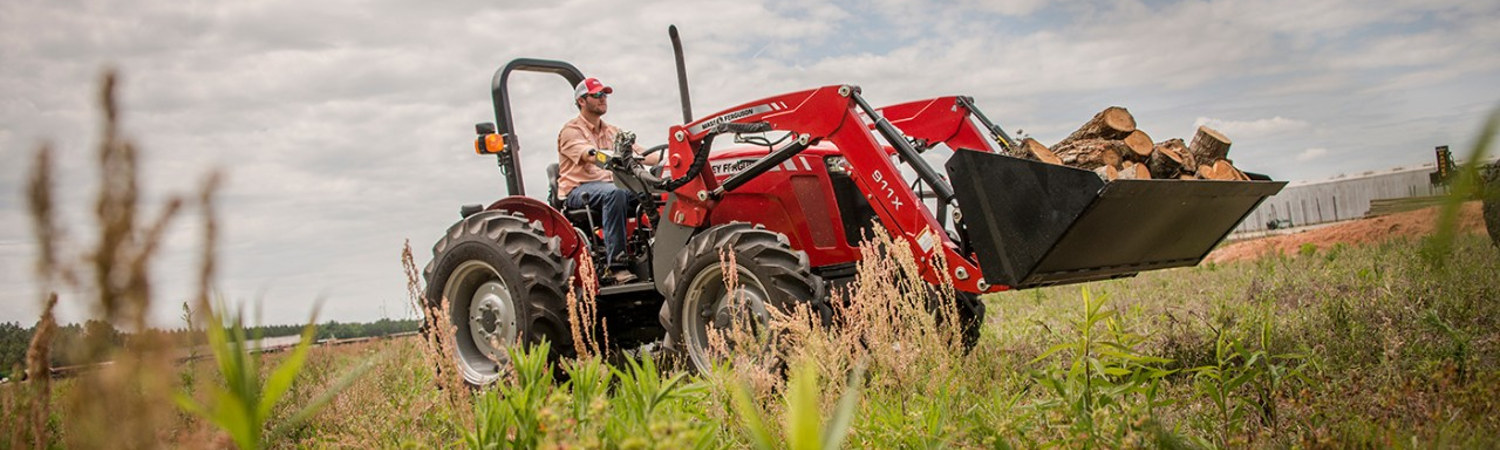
x=1221 y=170
x=1031 y=149
x=1226 y=171
x=1108 y=173
x=1166 y=160
x=1089 y=154
x=1187 y=176
x=1207 y=172
x=1112 y=123
x=1130 y=170
x=1208 y=146
x=1142 y=172
x=1140 y=146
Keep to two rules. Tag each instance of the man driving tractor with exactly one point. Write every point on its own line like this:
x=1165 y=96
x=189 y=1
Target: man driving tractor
x=581 y=182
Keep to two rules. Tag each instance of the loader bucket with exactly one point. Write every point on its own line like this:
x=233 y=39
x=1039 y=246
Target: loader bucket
x=1036 y=224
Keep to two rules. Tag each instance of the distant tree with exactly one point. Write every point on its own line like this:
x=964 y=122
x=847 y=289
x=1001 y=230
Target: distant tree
x=13 y=343
x=99 y=332
x=69 y=344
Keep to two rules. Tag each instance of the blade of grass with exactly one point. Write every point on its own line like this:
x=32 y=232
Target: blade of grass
x=281 y=379
x=1441 y=244
x=838 y=425
x=332 y=391
x=802 y=404
x=751 y=418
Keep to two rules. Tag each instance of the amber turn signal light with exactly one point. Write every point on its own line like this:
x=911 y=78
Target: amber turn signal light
x=489 y=144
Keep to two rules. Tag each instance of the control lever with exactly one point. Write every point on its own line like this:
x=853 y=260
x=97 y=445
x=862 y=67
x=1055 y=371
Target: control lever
x=737 y=128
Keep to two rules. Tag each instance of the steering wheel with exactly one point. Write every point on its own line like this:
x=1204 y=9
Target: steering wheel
x=656 y=149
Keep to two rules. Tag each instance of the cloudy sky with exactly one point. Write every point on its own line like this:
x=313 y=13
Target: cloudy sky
x=346 y=126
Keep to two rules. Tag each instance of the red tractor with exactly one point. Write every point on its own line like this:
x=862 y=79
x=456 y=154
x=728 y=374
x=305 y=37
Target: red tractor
x=809 y=172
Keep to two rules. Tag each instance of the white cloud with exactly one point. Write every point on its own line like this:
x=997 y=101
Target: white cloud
x=1007 y=7
x=1249 y=129
x=1312 y=154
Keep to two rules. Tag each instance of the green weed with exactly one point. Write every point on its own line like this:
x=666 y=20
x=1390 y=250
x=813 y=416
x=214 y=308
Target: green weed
x=1100 y=387
x=510 y=416
x=242 y=405
x=1242 y=382
x=804 y=428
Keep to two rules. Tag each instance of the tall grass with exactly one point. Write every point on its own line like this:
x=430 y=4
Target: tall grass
x=1239 y=354
x=127 y=402
x=1270 y=318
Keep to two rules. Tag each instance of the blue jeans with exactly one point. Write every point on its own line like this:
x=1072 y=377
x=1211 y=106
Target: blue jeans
x=615 y=204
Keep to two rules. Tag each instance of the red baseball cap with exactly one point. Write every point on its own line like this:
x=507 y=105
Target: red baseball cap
x=591 y=86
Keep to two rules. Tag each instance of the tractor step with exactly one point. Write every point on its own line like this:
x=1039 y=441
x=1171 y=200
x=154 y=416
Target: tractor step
x=1035 y=224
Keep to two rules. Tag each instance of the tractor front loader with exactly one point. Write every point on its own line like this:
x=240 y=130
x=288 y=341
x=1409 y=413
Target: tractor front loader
x=808 y=174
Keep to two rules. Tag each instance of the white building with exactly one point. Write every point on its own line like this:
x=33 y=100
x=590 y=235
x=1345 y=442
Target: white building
x=1340 y=198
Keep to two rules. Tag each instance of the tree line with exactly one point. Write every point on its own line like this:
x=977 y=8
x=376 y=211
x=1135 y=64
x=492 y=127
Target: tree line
x=68 y=343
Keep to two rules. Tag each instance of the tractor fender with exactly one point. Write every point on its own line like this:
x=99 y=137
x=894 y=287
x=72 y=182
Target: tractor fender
x=552 y=221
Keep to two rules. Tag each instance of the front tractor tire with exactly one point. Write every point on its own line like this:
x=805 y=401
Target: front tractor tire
x=970 y=317
x=770 y=275
x=505 y=282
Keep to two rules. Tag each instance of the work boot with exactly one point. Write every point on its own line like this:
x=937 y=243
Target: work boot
x=622 y=276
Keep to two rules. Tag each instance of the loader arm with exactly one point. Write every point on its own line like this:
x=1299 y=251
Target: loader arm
x=835 y=114
x=947 y=120
x=1024 y=223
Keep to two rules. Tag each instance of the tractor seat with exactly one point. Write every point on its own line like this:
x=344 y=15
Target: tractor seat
x=578 y=217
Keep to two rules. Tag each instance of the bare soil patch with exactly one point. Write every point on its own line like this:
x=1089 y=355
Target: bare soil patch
x=1408 y=224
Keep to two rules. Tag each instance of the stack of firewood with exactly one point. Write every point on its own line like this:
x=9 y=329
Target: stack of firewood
x=1112 y=146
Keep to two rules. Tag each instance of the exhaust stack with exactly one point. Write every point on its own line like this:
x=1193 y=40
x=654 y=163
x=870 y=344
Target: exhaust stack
x=682 y=86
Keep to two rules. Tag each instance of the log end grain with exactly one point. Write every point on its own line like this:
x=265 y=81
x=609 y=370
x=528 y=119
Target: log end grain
x=1118 y=119
x=1031 y=149
x=1139 y=144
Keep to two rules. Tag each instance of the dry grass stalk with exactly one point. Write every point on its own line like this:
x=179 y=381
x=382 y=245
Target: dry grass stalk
x=209 y=254
x=887 y=322
x=11 y=417
x=39 y=374
x=583 y=312
x=436 y=332
x=749 y=347
x=39 y=351
x=43 y=221
x=136 y=384
x=888 y=319
x=943 y=298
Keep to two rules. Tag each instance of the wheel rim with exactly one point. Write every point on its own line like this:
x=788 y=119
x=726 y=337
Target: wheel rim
x=710 y=305
x=484 y=318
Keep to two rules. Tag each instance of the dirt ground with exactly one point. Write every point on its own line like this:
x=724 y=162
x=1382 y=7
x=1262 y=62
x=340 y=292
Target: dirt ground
x=1411 y=223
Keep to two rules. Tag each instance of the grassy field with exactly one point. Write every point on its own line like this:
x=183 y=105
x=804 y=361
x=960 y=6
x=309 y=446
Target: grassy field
x=1392 y=344
x=1352 y=346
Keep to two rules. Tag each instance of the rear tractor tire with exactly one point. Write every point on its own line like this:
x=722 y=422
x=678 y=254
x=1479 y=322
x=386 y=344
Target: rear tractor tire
x=770 y=275
x=505 y=282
